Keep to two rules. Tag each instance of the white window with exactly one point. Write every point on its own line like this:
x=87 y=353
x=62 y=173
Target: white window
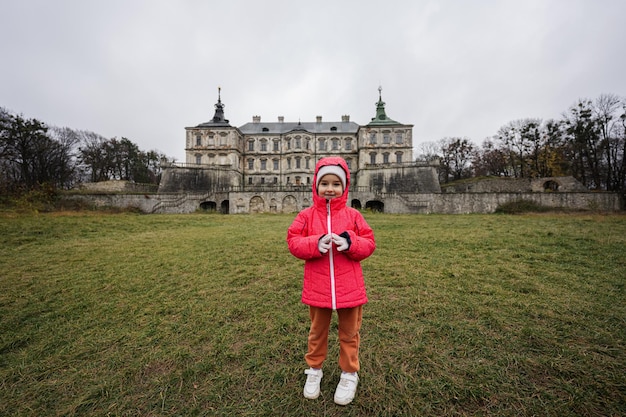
x=250 y=164
x=399 y=157
x=348 y=144
x=399 y=139
x=263 y=145
x=251 y=145
x=386 y=138
x=198 y=140
x=263 y=164
x=373 y=138
x=198 y=159
x=386 y=158
x=275 y=161
x=335 y=144
x=322 y=143
x=373 y=158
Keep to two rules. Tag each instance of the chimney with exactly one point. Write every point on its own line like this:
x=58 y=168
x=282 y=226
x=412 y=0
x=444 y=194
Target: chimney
x=345 y=118
x=256 y=119
x=281 y=119
x=319 y=119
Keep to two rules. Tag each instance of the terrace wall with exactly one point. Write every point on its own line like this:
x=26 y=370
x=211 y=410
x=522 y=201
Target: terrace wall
x=240 y=202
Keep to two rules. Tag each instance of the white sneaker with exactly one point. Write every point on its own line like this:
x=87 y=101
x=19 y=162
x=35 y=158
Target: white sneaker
x=346 y=388
x=312 y=384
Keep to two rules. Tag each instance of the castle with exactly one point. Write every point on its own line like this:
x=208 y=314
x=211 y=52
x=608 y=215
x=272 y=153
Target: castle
x=263 y=167
x=268 y=166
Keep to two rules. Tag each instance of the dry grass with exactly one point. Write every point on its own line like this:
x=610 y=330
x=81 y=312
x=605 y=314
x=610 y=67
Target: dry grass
x=134 y=315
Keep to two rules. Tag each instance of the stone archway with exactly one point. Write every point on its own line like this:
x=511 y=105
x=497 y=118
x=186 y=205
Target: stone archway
x=208 y=206
x=551 y=185
x=375 y=205
x=225 y=207
x=290 y=204
x=257 y=205
x=356 y=203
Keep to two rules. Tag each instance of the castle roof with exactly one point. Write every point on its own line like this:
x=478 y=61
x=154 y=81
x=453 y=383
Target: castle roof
x=381 y=118
x=345 y=126
x=218 y=119
x=278 y=128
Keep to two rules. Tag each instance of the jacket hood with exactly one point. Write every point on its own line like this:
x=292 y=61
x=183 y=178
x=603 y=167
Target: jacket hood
x=331 y=160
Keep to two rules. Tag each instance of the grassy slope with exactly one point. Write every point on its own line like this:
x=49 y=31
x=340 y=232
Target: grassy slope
x=200 y=315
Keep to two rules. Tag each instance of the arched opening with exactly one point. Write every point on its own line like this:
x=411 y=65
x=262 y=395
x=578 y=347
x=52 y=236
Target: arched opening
x=550 y=185
x=375 y=205
x=356 y=204
x=225 y=207
x=290 y=204
x=208 y=206
x=257 y=205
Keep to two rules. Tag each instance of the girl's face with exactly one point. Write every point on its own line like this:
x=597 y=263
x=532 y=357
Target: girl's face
x=330 y=187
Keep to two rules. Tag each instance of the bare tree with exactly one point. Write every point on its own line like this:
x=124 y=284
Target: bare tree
x=68 y=141
x=520 y=139
x=607 y=112
x=429 y=151
x=583 y=136
x=93 y=158
x=490 y=160
x=456 y=156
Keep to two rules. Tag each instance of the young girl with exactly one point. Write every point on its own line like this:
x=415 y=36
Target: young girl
x=332 y=239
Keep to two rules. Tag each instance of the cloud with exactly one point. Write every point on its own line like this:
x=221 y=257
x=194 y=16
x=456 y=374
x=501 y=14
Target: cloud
x=147 y=69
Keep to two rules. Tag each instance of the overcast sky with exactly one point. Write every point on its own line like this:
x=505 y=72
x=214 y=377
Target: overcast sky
x=146 y=69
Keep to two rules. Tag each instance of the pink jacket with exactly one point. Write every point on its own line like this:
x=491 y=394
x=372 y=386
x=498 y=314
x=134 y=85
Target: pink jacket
x=342 y=285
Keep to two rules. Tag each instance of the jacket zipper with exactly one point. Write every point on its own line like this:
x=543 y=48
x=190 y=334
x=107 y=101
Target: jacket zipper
x=333 y=295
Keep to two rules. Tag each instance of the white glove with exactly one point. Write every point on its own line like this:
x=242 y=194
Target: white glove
x=341 y=242
x=323 y=245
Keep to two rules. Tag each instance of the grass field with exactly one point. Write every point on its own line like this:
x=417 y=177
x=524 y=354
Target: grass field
x=163 y=315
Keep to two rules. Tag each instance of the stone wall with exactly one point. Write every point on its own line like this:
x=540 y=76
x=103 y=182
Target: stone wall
x=142 y=202
x=199 y=179
x=117 y=186
x=399 y=179
x=515 y=185
x=488 y=202
x=293 y=201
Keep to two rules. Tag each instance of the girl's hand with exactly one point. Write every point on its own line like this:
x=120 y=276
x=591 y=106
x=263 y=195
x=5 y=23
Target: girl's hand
x=342 y=241
x=323 y=244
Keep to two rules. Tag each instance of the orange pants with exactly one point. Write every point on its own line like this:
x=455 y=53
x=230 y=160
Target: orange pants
x=349 y=337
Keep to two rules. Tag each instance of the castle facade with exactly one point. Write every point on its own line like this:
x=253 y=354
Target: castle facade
x=280 y=156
